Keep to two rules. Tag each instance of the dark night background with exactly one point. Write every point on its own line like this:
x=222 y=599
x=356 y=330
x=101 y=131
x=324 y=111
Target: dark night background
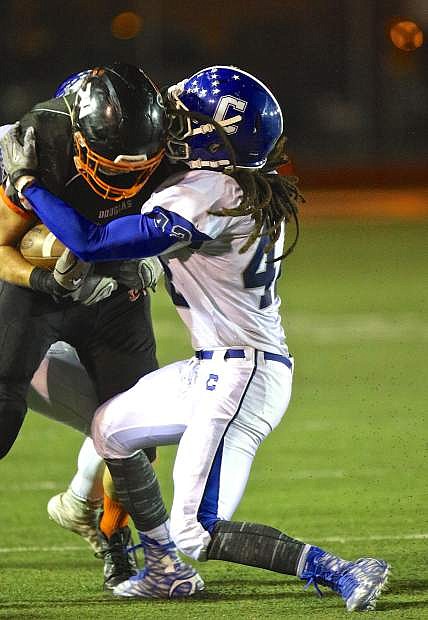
x=352 y=101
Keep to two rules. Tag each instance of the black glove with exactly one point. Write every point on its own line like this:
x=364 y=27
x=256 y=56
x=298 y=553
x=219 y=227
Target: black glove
x=67 y=277
x=19 y=160
x=71 y=281
x=138 y=274
x=43 y=281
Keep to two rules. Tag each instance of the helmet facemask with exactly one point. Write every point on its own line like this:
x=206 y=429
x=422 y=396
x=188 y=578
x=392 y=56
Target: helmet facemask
x=182 y=128
x=91 y=166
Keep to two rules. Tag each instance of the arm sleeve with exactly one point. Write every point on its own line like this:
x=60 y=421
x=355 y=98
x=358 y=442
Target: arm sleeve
x=132 y=236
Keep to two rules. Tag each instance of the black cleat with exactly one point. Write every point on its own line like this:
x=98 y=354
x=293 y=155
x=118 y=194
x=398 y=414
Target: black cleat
x=119 y=565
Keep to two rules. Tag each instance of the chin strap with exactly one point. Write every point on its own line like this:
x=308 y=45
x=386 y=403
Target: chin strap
x=208 y=128
x=200 y=163
x=178 y=149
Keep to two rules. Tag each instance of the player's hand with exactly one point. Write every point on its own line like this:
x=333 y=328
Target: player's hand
x=67 y=277
x=19 y=159
x=94 y=289
x=70 y=272
x=78 y=277
x=140 y=274
x=43 y=281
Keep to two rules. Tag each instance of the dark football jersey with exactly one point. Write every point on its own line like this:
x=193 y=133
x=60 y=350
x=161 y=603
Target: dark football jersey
x=52 y=123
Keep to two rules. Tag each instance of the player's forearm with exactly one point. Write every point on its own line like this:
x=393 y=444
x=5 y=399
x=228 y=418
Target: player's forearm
x=13 y=267
x=132 y=236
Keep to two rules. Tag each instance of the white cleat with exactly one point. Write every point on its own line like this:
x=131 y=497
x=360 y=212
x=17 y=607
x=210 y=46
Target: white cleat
x=164 y=576
x=77 y=516
x=182 y=582
x=362 y=583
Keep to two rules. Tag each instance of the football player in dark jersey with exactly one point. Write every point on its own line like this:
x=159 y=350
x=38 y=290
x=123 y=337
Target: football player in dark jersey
x=101 y=149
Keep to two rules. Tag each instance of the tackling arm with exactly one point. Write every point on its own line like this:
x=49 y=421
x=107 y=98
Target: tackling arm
x=13 y=266
x=132 y=236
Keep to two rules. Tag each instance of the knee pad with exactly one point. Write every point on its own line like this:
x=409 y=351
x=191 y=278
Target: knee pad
x=107 y=437
x=99 y=435
x=104 y=438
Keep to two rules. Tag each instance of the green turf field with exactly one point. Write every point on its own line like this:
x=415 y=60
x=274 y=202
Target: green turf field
x=347 y=469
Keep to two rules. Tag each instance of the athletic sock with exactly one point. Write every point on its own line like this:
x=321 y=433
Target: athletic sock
x=257 y=545
x=114 y=517
x=87 y=484
x=138 y=490
x=160 y=534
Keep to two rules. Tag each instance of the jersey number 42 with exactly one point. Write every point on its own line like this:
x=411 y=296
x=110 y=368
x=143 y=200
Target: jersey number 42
x=256 y=278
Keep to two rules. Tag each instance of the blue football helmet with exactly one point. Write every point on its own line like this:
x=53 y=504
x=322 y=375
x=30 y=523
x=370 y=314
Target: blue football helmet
x=71 y=84
x=243 y=106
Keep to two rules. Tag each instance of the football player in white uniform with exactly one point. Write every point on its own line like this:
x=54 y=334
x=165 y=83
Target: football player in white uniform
x=218 y=225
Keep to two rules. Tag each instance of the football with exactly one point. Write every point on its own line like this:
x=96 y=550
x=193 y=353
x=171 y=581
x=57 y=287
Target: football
x=40 y=247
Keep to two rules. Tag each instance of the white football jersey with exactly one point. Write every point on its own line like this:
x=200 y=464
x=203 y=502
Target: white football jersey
x=225 y=298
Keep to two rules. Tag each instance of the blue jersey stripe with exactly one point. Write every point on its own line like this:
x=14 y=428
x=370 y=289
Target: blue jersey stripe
x=208 y=508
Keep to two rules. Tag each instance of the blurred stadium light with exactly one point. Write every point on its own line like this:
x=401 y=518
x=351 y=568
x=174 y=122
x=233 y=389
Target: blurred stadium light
x=126 y=25
x=406 y=35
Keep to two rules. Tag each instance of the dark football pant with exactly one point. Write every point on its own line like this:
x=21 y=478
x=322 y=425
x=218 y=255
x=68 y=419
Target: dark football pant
x=114 y=340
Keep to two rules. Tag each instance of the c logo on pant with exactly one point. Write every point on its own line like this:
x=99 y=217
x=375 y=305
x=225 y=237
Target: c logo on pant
x=211 y=382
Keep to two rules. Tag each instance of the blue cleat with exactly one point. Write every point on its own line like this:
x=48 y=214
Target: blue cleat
x=359 y=583
x=164 y=575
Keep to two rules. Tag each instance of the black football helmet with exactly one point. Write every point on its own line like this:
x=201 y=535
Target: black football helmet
x=119 y=128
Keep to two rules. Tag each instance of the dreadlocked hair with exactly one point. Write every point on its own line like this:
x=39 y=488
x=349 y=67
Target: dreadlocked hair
x=269 y=199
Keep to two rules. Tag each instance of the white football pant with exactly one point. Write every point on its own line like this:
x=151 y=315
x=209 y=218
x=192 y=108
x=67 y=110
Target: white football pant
x=219 y=410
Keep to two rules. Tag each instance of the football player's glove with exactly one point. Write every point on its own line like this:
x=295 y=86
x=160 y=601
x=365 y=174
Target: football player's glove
x=138 y=274
x=19 y=158
x=43 y=281
x=72 y=280
x=94 y=289
x=70 y=272
x=78 y=277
